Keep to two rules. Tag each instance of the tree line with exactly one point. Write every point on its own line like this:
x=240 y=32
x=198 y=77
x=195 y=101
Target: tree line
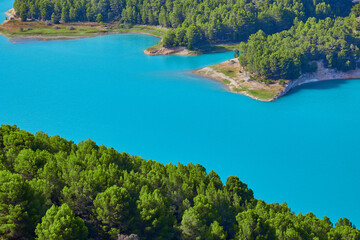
x=192 y=23
x=52 y=188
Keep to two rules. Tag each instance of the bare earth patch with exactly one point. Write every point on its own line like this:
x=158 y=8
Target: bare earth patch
x=236 y=80
x=168 y=51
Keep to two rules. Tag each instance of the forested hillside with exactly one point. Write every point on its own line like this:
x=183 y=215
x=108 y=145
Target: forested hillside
x=287 y=54
x=196 y=22
x=51 y=188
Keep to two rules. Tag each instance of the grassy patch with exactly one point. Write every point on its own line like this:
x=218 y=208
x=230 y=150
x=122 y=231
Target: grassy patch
x=61 y=31
x=227 y=47
x=18 y=28
x=152 y=30
x=241 y=89
x=226 y=81
x=209 y=48
x=155 y=47
x=15 y=28
x=262 y=94
x=227 y=72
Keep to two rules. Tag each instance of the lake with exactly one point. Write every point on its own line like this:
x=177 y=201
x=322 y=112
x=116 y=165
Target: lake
x=302 y=149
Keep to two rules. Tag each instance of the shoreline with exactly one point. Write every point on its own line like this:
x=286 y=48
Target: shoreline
x=40 y=37
x=229 y=73
x=184 y=51
x=322 y=74
x=181 y=51
x=75 y=35
x=14 y=29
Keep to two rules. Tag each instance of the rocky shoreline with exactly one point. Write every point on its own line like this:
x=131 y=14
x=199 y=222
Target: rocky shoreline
x=322 y=74
x=241 y=83
x=183 y=51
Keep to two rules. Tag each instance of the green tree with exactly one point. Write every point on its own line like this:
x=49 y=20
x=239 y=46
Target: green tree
x=54 y=18
x=155 y=216
x=196 y=220
x=23 y=12
x=193 y=37
x=253 y=227
x=344 y=229
x=217 y=232
x=65 y=15
x=111 y=211
x=238 y=190
x=60 y=223
x=14 y=209
x=169 y=39
x=99 y=18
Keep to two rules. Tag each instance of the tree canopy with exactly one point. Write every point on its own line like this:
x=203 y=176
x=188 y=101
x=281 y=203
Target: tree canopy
x=193 y=23
x=86 y=191
x=287 y=54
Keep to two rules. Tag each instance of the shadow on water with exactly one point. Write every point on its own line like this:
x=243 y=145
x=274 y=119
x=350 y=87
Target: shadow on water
x=321 y=85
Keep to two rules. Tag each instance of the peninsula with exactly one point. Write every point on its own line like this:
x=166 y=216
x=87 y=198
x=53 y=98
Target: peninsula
x=237 y=80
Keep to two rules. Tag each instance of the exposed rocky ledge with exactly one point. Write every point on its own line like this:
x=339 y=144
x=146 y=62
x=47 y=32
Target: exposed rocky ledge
x=322 y=74
x=11 y=14
x=169 y=51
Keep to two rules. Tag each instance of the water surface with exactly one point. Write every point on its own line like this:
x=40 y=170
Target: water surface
x=302 y=149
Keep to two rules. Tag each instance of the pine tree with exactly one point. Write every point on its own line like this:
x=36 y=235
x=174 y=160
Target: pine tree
x=60 y=223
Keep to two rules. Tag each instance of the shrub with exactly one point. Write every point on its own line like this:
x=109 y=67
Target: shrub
x=282 y=82
x=70 y=28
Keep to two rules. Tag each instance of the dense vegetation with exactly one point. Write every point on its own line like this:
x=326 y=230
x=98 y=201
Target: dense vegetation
x=286 y=54
x=51 y=188
x=194 y=22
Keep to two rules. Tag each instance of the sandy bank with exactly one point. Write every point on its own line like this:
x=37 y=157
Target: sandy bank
x=238 y=81
x=183 y=51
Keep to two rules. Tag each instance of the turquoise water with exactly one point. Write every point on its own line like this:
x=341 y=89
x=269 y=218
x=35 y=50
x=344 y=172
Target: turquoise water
x=302 y=149
x=4 y=6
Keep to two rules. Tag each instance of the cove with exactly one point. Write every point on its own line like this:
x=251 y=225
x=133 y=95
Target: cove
x=302 y=149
